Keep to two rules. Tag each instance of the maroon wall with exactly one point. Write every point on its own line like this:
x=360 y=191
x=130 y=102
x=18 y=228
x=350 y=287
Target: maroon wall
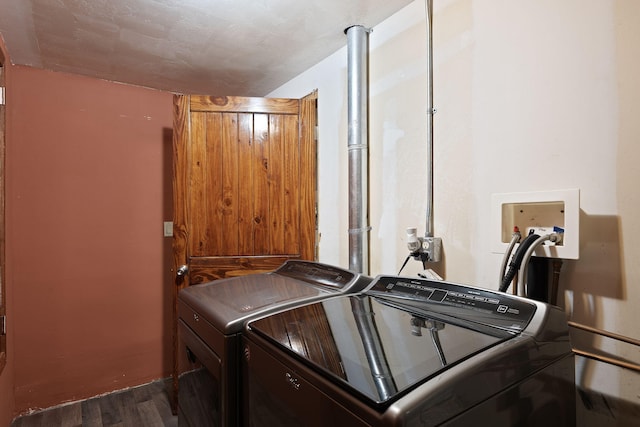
x=7 y=402
x=88 y=187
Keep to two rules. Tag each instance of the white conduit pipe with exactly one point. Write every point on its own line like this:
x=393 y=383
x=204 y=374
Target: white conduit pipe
x=357 y=59
x=430 y=112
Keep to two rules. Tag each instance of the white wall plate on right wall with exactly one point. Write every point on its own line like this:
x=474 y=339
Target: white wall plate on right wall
x=539 y=211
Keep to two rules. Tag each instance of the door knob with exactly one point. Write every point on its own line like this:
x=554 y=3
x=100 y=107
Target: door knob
x=182 y=270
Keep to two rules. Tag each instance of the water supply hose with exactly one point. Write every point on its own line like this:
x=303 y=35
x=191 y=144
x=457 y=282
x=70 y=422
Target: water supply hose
x=515 y=238
x=516 y=261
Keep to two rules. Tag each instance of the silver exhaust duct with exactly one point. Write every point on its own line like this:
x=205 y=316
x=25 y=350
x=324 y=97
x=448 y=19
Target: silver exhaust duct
x=357 y=72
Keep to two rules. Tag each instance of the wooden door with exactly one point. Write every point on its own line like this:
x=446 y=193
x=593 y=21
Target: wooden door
x=244 y=186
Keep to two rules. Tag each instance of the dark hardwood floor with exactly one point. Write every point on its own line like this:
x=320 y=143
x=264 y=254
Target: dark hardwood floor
x=147 y=405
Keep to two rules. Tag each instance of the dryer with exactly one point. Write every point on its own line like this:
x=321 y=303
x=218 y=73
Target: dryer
x=210 y=324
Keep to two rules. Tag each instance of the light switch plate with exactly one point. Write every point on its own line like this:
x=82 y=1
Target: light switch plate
x=168 y=229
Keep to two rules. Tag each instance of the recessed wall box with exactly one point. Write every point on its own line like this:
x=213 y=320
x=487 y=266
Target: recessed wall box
x=539 y=211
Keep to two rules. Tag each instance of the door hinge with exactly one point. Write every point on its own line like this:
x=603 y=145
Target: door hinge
x=3 y=325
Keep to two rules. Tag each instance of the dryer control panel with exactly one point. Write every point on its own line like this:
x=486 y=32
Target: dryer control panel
x=318 y=274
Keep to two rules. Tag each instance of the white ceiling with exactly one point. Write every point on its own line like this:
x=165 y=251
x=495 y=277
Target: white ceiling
x=221 y=47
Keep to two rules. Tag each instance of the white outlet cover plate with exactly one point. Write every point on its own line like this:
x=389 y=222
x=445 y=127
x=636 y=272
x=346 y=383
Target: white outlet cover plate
x=570 y=248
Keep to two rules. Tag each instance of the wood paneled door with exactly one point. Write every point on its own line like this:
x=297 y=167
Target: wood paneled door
x=244 y=185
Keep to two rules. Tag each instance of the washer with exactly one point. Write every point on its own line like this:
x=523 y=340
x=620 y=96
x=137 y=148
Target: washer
x=210 y=324
x=410 y=352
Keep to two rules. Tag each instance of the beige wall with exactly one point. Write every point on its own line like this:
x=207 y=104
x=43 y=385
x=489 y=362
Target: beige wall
x=531 y=96
x=88 y=187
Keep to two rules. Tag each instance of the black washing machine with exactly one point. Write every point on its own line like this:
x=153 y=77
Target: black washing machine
x=410 y=352
x=210 y=324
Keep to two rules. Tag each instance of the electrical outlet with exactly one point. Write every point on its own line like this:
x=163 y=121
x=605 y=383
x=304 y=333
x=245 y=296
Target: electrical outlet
x=426 y=248
x=432 y=246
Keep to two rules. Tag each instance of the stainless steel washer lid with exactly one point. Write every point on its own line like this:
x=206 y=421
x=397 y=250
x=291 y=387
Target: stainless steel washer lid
x=383 y=351
x=228 y=303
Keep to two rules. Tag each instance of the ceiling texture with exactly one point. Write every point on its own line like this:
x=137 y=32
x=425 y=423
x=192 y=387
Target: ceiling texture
x=216 y=47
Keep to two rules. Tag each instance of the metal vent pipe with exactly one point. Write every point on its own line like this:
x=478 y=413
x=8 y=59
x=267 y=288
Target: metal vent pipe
x=357 y=61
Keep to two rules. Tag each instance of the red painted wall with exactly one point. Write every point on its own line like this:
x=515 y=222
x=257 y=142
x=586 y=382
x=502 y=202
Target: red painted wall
x=7 y=402
x=88 y=187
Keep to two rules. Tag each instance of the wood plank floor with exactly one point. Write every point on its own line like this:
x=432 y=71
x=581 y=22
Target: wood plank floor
x=147 y=405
